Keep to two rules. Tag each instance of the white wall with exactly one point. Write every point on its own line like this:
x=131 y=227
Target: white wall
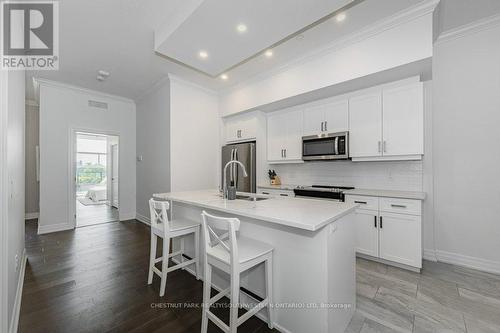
x=194 y=135
x=32 y=137
x=393 y=46
x=153 y=144
x=466 y=86
x=12 y=186
x=63 y=109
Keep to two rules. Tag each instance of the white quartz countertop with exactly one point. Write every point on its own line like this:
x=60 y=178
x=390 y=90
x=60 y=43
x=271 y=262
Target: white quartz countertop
x=285 y=187
x=299 y=213
x=387 y=193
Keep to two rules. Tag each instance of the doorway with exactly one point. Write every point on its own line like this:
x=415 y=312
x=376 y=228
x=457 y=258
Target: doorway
x=96 y=178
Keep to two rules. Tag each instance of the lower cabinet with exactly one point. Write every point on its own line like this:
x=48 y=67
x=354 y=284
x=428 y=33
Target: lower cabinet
x=389 y=229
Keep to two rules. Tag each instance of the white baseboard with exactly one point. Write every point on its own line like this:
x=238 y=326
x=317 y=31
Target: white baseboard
x=31 y=216
x=467 y=261
x=47 y=229
x=127 y=216
x=14 y=320
x=142 y=219
x=430 y=255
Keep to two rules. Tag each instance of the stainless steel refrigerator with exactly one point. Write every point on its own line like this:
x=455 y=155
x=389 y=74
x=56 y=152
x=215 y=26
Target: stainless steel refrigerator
x=245 y=153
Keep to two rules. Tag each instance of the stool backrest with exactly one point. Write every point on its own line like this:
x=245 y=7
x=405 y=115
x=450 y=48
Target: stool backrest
x=158 y=212
x=221 y=231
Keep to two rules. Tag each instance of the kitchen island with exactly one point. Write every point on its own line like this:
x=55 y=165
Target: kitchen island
x=314 y=254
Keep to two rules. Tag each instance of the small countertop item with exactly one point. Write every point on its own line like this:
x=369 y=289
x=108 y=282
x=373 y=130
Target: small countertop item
x=387 y=193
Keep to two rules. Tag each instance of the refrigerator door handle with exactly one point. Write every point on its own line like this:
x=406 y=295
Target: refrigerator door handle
x=235 y=168
x=231 y=172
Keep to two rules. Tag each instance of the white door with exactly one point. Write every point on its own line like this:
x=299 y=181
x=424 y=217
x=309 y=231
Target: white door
x=337 y=116
x=365 y=125
x=314 y=120
x=293 y=141
x=403 y=120
x=276 y=136
x=114 y=176
x=400 y=238
x=366 y=232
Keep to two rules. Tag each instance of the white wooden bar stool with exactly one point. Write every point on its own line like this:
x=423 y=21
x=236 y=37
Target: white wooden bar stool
x=233 y=255
x=165 y=229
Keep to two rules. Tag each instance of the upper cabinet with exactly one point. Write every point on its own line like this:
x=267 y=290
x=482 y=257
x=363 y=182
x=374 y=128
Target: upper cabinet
x=284 y=137
x=240 y=128
x=326 y=118
x=387 y=123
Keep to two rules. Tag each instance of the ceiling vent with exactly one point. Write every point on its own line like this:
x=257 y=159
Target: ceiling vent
x=97 y=104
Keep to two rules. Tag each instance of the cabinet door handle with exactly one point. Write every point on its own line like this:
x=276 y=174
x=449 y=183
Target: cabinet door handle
x=384 y=147
x=375 y=221
x=379 y=147
x=361 y=202
x=282 y=153
x=285 y=152
x=381 y=225
x=326 y=125
x=398 y=206
x=265 y=193
x=283 y=194
x=322 y=126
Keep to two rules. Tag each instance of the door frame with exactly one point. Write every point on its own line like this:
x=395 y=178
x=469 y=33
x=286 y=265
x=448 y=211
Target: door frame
x=72 y=168
x=112 y=195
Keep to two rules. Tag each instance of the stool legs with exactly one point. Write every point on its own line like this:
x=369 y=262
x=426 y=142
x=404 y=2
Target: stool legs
x=152 y=257
x=235 y=300
x=269 y=292
x=164 y=266
x=197 y=253
x=207 y=284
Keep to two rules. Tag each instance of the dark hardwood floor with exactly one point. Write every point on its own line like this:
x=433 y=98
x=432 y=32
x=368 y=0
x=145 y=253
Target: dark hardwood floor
x=94 y=279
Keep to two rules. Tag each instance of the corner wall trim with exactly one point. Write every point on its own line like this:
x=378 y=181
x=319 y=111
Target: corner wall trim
x=430 y=255
x=127 y=216
x=14 y=321
x=468 y=29
x=46 y=229
x=484 y=265
x=142 y=218
x=31 y=216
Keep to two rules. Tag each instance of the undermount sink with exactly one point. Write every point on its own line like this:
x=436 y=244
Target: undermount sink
x=249 y=198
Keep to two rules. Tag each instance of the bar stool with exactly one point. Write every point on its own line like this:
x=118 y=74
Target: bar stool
x=165 y=229
x=233 y=255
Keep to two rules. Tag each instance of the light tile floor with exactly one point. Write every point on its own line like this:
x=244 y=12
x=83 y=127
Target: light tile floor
x=443 y=298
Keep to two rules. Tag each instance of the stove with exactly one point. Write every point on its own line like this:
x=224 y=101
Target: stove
x=322 y=191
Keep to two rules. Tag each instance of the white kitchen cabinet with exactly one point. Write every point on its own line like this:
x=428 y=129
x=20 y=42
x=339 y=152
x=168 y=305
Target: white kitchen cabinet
x=403 y=120
x=366 y=232
x=365 y=125
x=389 y=229
x=400 y=238
x=241 y=128
x=387 y=123
x=276 y=192
x=284 y=136
x=331 y=117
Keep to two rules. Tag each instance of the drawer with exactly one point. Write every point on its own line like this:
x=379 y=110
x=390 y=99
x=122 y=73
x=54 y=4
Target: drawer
x=276 y=193
x=402 y=206
x=364 y=202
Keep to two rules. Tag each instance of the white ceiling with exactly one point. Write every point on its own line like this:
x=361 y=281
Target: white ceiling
x=212 y=27
x=118 y=36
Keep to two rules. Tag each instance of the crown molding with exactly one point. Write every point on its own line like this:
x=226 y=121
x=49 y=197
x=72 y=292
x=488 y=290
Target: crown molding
x=154 y=87
x=175 y=78
x=49 y=83
x=469 y=29
x=424 y=8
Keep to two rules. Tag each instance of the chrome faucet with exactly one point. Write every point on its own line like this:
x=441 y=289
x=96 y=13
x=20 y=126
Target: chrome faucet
x=224 y=186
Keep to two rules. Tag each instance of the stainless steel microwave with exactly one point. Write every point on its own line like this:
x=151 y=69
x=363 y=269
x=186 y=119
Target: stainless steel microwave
x=324 y=147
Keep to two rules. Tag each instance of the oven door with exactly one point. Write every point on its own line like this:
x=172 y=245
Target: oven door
x=325 y=147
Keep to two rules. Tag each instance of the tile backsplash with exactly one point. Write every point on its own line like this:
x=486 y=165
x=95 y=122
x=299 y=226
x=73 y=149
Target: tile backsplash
x=404 y=175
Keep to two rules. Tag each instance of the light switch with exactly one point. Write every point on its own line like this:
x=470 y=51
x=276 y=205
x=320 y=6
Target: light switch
x=139 y=158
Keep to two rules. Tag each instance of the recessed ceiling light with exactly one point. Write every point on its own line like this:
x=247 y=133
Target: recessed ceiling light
x=103 y=73
x=241 y=28
x=203 y=54
x=224 y=76
x=100 y=78
x=269 y=53
x=340 y=17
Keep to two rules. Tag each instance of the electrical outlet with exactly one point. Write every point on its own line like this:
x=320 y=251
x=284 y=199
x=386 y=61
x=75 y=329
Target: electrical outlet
x=17 y=262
